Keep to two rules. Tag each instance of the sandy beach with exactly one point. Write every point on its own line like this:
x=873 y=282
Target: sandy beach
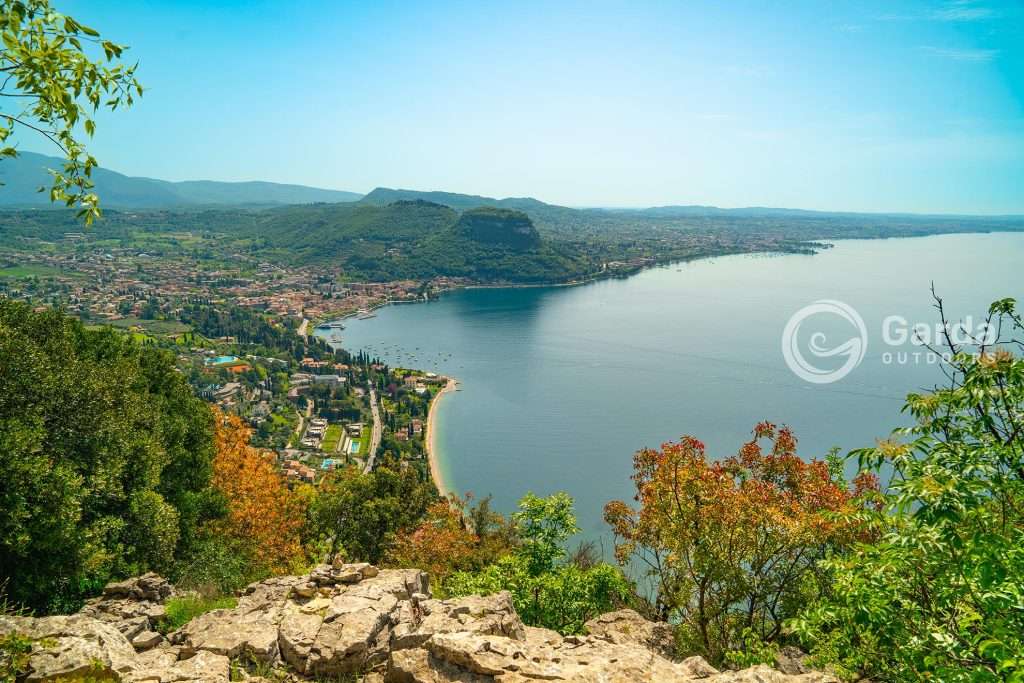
x=432 y=455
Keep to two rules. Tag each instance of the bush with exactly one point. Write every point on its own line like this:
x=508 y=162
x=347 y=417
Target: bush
x=217 y=566
x=547 y=592
x=561 y=598
x=940 y=595
x=732 y=546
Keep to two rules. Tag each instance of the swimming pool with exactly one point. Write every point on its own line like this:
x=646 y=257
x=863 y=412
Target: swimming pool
x=221 y=360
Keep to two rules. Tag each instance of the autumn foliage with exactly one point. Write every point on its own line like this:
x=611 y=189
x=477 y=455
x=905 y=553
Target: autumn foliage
x=732 y=546
x=263 y=515
x=441 y=543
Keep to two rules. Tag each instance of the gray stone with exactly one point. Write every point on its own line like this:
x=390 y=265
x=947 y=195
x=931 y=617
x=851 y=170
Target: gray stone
x=72 y=646
x=147 y=640
x=627 y=626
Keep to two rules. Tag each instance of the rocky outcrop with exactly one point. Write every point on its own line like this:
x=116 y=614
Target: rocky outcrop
x=499 y=228
x=626 y=627
x=135 y=607
x=350 y=620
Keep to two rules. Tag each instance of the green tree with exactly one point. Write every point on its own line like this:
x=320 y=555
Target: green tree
x=101 y=441
x=544 y=525
x=57 y=74
x=547 y=591
x=360 y=514
x=940 y=595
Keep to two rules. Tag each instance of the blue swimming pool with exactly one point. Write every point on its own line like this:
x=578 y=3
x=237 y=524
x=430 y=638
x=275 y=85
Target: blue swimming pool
x=220 y=360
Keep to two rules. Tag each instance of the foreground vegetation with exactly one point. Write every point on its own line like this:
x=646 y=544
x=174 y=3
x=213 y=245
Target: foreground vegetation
x=913 y=569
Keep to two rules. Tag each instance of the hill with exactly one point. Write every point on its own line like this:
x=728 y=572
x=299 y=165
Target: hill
x=549 y=218
x=498 y=227
x=25 y=174
x=415 y=238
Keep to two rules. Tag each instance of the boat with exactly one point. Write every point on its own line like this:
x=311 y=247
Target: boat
x=363 y=314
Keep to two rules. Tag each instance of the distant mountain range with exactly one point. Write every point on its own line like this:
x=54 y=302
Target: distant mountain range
x=25 y=174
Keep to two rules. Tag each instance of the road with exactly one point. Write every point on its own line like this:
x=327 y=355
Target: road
x=302 y=419
x=378 y=429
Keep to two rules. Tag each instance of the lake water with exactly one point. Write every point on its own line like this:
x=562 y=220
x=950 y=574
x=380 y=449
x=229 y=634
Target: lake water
x=560 y=385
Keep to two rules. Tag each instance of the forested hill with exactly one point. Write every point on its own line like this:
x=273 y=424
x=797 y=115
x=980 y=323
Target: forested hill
x=24 y=175
x=419 y=239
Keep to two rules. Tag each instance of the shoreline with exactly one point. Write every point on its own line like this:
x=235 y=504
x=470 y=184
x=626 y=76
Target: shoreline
x=428 y=438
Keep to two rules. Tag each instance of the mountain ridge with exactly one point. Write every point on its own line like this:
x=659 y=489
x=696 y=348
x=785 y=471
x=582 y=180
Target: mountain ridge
x=25 y=174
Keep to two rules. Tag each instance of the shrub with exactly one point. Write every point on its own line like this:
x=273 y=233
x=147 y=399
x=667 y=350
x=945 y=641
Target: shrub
x=546 y=591
x=940 y=594
x=732 y=546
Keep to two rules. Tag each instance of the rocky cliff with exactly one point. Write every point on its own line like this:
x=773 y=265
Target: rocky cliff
x=499 y=227
x=350 y=621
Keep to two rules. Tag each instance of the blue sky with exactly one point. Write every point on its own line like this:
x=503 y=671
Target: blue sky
x=829 y=105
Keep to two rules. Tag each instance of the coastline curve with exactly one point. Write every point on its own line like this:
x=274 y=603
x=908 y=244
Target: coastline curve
x=433 y=457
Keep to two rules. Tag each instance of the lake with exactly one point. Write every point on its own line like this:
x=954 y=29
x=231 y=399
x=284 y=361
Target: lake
x=560 y=385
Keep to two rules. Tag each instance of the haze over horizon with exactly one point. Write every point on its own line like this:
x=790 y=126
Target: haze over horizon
x=864 y=107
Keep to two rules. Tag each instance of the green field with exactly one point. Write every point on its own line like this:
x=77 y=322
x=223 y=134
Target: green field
x=331 y=438
x=156 y=327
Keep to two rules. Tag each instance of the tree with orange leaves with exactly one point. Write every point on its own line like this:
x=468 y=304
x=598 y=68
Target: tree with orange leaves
x=441 y=543
x=263 y=515
x=732 y=546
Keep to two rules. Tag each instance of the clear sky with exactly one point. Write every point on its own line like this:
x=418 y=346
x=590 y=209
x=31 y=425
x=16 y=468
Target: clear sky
x=867 y=106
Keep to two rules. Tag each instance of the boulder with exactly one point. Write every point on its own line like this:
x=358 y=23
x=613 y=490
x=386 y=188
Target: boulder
x=72 y=646
x=147 y=640
x=627 y=626
x=468 y=657
x=790 y=660
x=132 y=606
x=489 y=615
x=163 y=666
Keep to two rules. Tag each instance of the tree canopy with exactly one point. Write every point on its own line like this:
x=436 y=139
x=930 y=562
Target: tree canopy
x=106 y=457
x=57 y=73
x=940 y=594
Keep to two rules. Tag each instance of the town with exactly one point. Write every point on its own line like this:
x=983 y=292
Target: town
x=246 y=337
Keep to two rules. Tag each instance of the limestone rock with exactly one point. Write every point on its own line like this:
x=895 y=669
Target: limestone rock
x=204 y=667
x=75 y=645
x=232 y=633
x=790 y=660
x=698 y=667
x=133 y=606
x=490 y=615
x=353 y=619
x=766 y=674
x=147 y=640
x=626 y=626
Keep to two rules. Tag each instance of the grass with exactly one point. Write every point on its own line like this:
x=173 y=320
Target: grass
x=331 y=438
x=157 y=327
x=182 y=610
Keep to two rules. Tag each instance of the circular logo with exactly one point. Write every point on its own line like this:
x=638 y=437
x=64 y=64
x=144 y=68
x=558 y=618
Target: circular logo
x=853 y=349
